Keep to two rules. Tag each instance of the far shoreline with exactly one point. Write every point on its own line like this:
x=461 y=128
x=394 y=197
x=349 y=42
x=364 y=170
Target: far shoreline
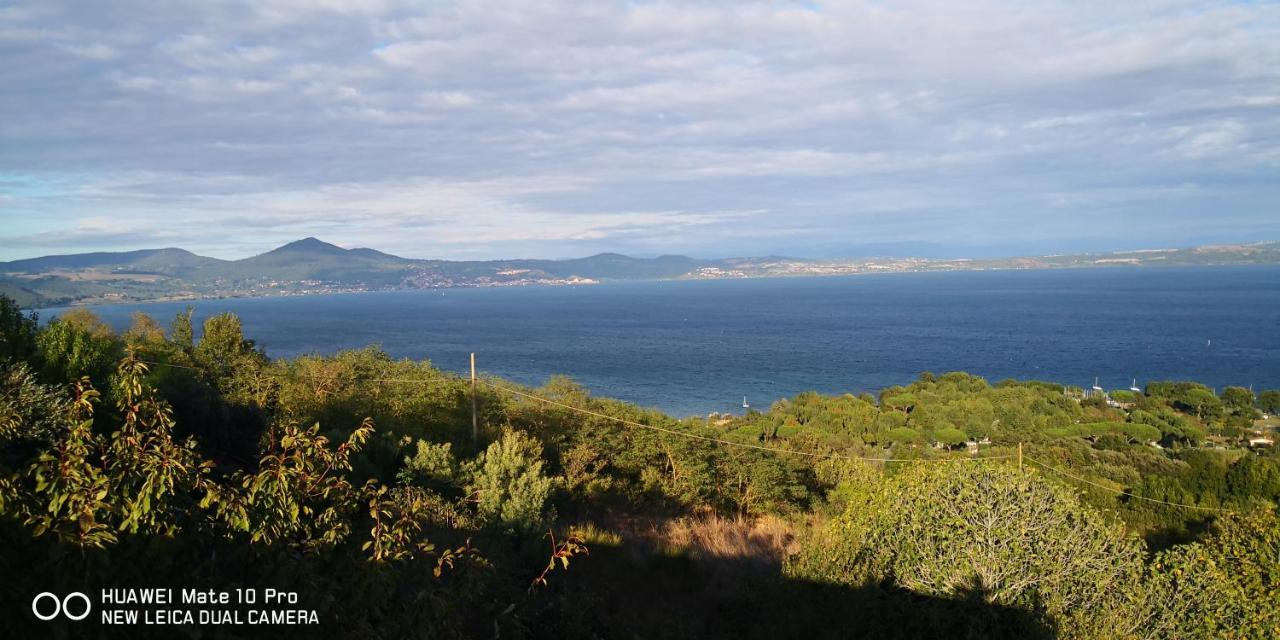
x=802 y=276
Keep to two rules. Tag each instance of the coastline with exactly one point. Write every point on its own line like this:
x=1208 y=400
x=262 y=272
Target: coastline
x=684 y=278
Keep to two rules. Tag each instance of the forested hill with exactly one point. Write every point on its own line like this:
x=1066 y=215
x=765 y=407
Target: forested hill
x=304 y=266
x=314 y=266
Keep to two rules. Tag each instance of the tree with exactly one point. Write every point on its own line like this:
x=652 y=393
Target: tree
x=970 y=531
x=29 y=410
x=1238 y=401
x=903 y=402
x=1223 y=586
x=153 y=474
x=759 y=483
x=180 y=332
x=77 y=344
x=1140 y=432
x=903 y=435
x=949 y=436
x=143 y=330
x=432 y=465
x=299 y=494
x=508 y=483
x=1201 y=402
x=1255 y=477
x=1269 y=401
x=223 y=344
x=238 y=369
x=17 y=331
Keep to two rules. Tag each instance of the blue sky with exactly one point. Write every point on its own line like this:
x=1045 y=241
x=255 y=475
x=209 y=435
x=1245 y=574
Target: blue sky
x=557 y=129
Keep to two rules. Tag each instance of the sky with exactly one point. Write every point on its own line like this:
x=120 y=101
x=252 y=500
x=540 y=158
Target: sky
x=561 y=129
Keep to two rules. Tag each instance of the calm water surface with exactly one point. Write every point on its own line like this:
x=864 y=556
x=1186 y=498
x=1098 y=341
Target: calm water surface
x=691 y=347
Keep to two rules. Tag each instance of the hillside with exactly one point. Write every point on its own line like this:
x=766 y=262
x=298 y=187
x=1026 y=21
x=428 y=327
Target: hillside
x=313 y=266
x=947 y=507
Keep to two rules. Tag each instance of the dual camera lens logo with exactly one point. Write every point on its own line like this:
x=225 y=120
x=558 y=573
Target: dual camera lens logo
x=48 y=606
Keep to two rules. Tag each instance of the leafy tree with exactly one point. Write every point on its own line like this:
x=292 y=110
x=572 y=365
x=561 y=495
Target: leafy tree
x=1269 y=401
x=17 y=331
x=1247 y=547
x=432 y=465
x=66 y=492
x=984 y=532
x=583 y=470
x=903 y=402
x=757 y=483
x=78 y=344
x=30 y=411
x=1140 y=432
x=143 y=331
x=508 y=482
x=150 y=469
x=949 y=436
x=180 y=332
x=1254 y=477
x=1238 y=401
x=903 y=435
x=295 y=497
x=1223 y=586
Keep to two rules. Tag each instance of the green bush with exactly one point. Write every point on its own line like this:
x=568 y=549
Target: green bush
x=508 y=483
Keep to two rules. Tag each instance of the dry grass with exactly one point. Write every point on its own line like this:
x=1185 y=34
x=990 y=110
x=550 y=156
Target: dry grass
x=593 y=535
x=763 y=541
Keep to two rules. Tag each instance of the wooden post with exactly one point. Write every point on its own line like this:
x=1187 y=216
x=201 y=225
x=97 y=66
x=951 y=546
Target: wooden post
x=475 y=423
x=1019 y=456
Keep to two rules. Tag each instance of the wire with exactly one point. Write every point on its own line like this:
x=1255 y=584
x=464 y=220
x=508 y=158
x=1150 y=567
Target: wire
x=731 y=443
x=1122 y=492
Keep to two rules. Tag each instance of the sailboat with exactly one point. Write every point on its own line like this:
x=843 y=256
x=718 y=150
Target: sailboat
x=744 y=403
x=1134 y=387
x=1096 y=389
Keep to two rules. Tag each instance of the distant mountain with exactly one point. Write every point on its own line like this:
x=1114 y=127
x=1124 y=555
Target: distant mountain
x=303 y=266
x=169 y=261
x=312 y=259
x=314 y=266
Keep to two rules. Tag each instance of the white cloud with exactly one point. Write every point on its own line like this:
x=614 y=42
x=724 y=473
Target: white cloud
x=564 y=126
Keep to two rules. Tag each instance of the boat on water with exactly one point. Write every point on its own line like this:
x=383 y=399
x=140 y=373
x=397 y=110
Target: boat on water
x=744 y=403
x=1134 y=387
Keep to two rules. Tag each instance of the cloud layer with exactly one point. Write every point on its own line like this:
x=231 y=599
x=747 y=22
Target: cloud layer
x=562 y=128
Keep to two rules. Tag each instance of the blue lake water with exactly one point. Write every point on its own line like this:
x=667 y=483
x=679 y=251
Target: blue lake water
x=692 y=347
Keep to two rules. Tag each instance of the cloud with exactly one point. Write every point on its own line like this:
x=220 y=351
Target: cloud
x=560 y=127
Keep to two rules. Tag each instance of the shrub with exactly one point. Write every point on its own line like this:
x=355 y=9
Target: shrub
x=508 y=483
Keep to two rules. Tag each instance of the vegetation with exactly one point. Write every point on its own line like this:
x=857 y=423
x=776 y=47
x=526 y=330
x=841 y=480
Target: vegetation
x=153 y=458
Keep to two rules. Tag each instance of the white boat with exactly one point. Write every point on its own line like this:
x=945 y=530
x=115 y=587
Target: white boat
x=1134 y=387
x=744 y=403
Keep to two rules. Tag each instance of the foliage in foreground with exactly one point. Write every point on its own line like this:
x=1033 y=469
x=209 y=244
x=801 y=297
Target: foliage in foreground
x=221 y=467
x=1010 y=538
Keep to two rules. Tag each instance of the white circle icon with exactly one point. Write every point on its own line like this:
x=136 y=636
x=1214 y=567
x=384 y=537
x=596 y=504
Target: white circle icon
x=66 y=606
x=35 y=606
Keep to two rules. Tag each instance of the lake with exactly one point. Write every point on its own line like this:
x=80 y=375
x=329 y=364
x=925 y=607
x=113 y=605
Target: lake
x=692 y=347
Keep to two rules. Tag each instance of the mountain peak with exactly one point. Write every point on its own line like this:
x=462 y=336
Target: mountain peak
x=310 y=245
